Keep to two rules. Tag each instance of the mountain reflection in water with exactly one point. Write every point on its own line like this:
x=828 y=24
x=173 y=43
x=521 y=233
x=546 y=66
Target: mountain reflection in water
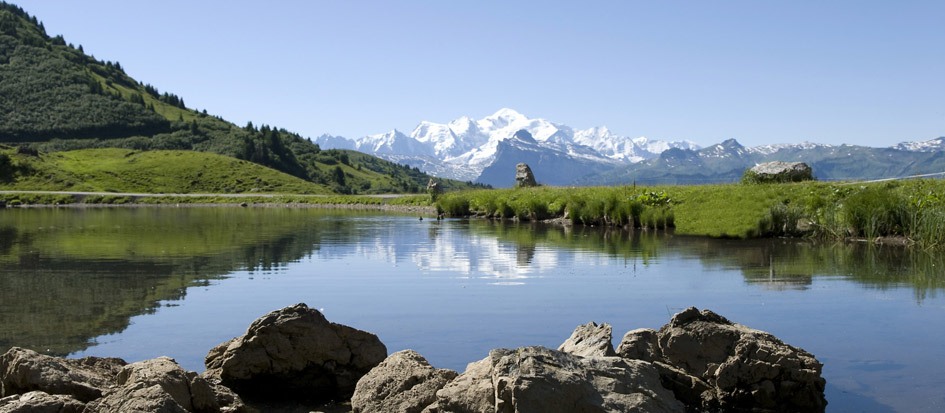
x=143 y=282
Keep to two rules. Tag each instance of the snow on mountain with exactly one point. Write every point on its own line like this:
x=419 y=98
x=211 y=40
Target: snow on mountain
x=770 y=149
x=932 y=145
x=327 y=141
x=465 y=146
x=392 y=143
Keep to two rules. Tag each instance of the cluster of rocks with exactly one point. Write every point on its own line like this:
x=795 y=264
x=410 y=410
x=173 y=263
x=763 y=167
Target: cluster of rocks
x=33 y=382
x=698 y=362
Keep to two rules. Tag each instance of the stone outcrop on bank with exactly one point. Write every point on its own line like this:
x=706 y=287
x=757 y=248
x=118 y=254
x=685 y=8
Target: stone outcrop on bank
x=33 y=382
x=295 y=353
x=700 y=361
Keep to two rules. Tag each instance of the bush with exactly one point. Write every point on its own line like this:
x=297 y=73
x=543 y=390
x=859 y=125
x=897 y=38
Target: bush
x=874 y=211
x=453 y=206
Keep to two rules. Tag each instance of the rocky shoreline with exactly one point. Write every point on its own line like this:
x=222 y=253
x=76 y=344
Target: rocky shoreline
x=699 y=361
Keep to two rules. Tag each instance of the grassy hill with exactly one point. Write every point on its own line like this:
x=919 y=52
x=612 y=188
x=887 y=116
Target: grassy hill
x=123 y=170
x=57 y=98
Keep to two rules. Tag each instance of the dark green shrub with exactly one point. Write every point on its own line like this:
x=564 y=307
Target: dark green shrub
x=875 y=211
x=453 y=206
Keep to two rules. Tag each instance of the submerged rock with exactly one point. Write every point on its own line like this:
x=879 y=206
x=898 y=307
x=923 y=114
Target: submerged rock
x=296 y=354
x=404 y=382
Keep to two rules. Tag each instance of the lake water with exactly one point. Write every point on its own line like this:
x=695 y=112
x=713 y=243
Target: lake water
x=138 y=283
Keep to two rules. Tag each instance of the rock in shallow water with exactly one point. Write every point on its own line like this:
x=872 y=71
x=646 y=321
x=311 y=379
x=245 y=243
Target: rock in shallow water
x=404 y=382
x=749 y=369
x=295 y=353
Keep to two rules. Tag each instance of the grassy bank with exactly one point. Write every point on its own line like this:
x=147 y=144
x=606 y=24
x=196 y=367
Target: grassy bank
x=911 y=209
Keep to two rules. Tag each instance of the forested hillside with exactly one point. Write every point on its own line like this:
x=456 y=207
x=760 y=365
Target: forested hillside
x=54 y=97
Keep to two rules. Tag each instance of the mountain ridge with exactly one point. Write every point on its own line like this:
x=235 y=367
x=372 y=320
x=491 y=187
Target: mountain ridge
x=464 y=147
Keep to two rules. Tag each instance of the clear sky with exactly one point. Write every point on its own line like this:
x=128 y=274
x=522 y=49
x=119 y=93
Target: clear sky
x=861 y=72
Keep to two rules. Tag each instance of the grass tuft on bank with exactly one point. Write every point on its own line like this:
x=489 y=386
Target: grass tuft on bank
x=912 y=209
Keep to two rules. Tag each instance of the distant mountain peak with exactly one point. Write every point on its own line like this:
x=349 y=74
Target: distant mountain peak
x=524 y=135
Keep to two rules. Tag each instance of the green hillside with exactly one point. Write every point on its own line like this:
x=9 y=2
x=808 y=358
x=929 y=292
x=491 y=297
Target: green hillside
x=57 y=98
x=123 y=170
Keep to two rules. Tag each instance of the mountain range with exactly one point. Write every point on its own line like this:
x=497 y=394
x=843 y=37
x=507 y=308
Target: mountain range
x=468 y=149
x=487 y=150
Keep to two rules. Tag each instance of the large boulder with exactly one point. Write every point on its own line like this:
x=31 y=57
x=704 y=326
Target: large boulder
x=524 y=176
x=295 y=354
x=749 y=369
x=404 y=382
x=23 y=370
x=538 y=379
x=590 y=340
x=778 y=171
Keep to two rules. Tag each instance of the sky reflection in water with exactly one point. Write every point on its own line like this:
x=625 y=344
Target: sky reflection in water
x=187 y=279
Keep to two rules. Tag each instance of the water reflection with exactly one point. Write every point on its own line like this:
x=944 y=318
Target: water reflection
x=69 y=275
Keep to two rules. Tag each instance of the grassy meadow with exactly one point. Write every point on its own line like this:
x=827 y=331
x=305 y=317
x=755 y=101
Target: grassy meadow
x=912 y=209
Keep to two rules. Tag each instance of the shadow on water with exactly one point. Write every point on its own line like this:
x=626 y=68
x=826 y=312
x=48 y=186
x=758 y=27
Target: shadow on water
x=70 y=275
x=853 y=402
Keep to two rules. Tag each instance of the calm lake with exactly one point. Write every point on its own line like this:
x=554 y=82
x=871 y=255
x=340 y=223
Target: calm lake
x=138 y=283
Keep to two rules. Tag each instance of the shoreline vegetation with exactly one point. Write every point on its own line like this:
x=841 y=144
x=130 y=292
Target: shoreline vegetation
x=898 y=212
x=902 y=212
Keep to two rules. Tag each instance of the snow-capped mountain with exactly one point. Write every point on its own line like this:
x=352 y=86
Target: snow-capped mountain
x=463 y=148
x=932 y=145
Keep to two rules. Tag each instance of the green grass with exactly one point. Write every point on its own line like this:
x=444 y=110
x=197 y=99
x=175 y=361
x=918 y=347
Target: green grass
x=122 y=170
x=913 y=209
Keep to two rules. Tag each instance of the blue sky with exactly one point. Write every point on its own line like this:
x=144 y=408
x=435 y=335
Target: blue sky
x=859 y=72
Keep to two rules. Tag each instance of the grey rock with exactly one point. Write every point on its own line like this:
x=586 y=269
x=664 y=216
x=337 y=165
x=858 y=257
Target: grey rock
x=162 y=385
x=640 y=344
x=778 y=171
x=295 y=353
x=23 y=370
x=749 y=369
x=433 y=187
x=40 y=402
x=524 y=176
x=590 y=340
x=404 y=382
x=538 y=379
